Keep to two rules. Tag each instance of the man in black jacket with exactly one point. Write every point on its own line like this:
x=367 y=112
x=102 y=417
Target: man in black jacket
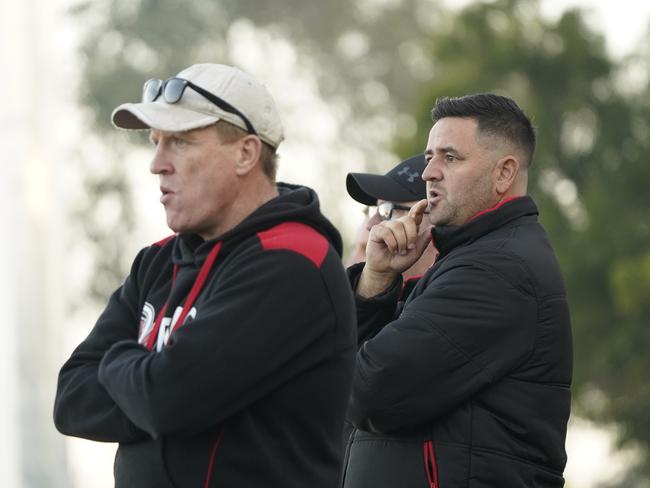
x=225 y=359
x=465 y=383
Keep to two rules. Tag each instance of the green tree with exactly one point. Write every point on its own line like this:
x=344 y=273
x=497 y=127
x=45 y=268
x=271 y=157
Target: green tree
x=590 y=181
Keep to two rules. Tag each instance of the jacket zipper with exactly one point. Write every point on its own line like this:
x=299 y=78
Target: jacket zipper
x=430 y=464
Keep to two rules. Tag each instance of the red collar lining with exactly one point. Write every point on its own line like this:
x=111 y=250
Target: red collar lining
x=492 y=209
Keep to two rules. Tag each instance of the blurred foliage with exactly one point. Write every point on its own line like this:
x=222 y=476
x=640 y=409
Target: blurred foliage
x=590 y=177
x=354 y=44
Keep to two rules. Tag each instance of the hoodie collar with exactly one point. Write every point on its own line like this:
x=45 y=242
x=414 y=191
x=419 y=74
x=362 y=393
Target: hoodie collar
x=293 y=204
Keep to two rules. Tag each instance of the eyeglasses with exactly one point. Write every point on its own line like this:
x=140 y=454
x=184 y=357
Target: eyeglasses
x=385 y=209
x=172 y=91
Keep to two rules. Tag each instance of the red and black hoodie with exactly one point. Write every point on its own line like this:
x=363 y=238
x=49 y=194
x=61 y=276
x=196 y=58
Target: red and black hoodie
x=223 y=363
x=465 y=383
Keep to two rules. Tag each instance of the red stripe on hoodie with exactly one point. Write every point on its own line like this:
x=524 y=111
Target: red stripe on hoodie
x=164 y=241
x=213 y=455
x=296 y=237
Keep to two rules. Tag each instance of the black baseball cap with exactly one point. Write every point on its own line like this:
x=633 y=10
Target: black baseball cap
x=403 y=183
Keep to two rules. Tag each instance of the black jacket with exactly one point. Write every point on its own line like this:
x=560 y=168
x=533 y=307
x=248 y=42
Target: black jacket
x=251 y=390
x=467 y=382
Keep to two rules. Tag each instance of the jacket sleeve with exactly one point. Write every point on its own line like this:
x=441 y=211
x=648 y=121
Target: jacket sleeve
x=82 y=406
x=261 y=325
x=468 y=328
x=375 y=312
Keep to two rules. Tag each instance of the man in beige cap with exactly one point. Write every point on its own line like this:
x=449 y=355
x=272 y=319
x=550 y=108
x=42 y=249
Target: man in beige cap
x=225 y=358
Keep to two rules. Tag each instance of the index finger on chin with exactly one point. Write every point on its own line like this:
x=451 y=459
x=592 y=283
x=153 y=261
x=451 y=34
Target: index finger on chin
x=417 y=211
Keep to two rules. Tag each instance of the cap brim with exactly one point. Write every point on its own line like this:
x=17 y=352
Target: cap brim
x=161 y=116
x=368 y=188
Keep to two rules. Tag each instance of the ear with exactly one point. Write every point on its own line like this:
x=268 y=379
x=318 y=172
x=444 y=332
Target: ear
x=506 y=171
x=250 y=151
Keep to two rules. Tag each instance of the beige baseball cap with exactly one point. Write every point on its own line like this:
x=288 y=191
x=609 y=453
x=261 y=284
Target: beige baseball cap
x=193 y=110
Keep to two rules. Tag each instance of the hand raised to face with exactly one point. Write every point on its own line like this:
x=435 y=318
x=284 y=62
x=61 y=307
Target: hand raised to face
x=393 y=246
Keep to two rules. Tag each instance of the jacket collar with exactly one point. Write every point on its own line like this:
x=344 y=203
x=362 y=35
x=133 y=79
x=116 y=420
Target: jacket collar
x=448 y=237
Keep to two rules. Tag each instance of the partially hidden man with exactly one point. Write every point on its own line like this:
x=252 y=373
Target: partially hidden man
x=465 y=383
x=225 y=358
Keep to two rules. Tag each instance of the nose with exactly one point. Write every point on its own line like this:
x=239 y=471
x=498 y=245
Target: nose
x=432 y=171
x=160 y=163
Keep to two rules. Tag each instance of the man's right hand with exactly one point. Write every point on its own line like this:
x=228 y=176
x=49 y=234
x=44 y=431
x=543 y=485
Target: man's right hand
x=393 y=246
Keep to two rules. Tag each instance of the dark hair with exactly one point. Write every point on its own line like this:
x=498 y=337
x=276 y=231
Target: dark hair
x=496 y=115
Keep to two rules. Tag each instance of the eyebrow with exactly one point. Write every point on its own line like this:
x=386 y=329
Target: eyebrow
x=183 y=134
x=443 y=149
x=450 y=149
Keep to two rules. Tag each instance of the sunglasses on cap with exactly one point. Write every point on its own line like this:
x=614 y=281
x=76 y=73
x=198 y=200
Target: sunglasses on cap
x=172 y=91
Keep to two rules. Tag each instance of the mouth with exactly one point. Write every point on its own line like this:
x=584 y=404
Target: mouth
x=434 y=197
x=165 y=194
